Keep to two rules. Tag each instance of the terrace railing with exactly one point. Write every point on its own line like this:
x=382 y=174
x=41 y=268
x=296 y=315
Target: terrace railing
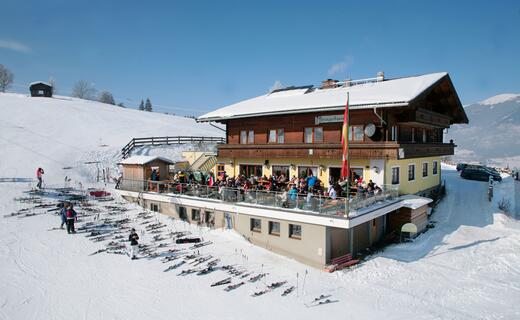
x=316 y=204
x=157 y=141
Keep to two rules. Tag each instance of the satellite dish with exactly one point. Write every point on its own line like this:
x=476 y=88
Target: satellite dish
x=370 y=129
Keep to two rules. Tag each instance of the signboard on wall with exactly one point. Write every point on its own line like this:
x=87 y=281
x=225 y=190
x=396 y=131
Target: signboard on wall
x=328 y=119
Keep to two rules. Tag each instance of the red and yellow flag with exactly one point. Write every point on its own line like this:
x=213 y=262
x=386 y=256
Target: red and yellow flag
x=345 y=170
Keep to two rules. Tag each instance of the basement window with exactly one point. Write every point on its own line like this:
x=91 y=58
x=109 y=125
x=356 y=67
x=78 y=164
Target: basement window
x=154 y=207
x=256 y=225
x=195 y=214
x=274 y=228
x=295 y=231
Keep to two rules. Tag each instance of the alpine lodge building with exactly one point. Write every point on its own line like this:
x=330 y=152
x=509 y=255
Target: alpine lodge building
x=395 y=142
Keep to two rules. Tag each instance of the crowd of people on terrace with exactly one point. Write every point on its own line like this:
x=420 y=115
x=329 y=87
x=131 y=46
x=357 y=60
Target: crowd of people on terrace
x=307 y=185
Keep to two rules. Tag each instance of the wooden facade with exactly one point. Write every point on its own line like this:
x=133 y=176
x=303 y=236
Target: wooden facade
x=413 y=137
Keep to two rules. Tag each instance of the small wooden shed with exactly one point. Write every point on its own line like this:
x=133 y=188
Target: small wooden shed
x=141 y=168
x=414 y=210
x=40 y=89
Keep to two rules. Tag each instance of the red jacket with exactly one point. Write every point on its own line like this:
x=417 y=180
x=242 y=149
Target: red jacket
x=39 y=172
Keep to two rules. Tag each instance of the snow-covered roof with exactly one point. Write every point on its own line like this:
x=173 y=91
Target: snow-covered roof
x=142 y=160
x=414 y=202
x=387 y=93
x=38 y=82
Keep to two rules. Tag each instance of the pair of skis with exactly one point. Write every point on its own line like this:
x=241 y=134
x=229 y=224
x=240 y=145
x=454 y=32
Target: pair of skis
x=321 y=300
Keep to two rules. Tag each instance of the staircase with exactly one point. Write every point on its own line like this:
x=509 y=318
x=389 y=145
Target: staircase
x=204 y=163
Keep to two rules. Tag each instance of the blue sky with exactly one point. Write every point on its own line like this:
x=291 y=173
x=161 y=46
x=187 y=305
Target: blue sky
x=194 y=56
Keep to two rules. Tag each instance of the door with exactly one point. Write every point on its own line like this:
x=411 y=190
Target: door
x=334 y=175
x=377 y=171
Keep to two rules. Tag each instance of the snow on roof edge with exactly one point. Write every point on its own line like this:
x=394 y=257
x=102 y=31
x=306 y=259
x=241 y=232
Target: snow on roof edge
x=142 y=160
x=393 y=92
x=37 y=82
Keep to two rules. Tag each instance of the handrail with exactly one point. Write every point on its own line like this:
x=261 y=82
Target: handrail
x=167 y=140
x=317 y=204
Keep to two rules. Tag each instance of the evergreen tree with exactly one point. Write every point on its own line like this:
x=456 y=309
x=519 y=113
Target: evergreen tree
x=141 y=105
x=148 y=105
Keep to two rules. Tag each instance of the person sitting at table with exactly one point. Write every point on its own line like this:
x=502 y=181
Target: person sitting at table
x=332 y=193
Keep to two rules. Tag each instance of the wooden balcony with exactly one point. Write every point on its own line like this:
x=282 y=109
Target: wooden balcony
x=382 y=150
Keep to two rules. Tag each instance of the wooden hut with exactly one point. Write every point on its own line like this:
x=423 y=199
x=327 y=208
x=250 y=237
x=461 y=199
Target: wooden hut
x=138 y=171
x=40 y=89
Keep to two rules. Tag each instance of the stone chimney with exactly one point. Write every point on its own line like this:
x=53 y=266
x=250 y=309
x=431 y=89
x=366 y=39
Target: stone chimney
x=380 y=76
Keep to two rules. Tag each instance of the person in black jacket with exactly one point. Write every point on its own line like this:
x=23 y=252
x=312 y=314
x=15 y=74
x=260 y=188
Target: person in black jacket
x=134 y=245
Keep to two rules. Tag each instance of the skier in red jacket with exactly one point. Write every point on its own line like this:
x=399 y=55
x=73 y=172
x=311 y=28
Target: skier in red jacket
x=39 y=174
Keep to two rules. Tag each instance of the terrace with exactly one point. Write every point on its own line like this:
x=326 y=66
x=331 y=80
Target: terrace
x=340 y=207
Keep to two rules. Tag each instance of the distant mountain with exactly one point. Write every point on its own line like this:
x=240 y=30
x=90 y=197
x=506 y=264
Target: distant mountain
x=493 y=133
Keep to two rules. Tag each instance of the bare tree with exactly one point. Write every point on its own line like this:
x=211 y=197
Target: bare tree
x=52 y=82
x=6 y=78
x=84 y=90
x=106 y=97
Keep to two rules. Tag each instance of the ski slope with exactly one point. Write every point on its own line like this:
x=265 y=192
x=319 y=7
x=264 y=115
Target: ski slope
x=64 y=132
x=467 y=267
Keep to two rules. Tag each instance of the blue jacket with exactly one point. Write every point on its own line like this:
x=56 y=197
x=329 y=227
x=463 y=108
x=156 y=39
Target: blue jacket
x=293 y=193
x=311 y=181
x=63 y=214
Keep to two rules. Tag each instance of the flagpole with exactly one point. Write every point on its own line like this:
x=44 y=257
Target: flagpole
x=348 y=156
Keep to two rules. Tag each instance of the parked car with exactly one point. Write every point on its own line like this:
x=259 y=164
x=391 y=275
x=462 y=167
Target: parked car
x=461 y=166
x=479 y=173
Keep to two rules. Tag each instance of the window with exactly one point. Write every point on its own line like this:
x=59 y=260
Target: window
x=318 y=134
x=313 y=135
x=393 y=133
x=307 y=171
x=195 y=215
x=424 y=136
x=413 y=134
x=308 y=135
x=356 y=133
x=182 y=213
x=434 y=167
x=425 y=169
x=411 y=172
x=256 y=225
x=249 y=170
x=154 y=207
x=279 y=170
x=395 y=175
x=247 y=137
x=295 y=231
x=220 y=170
x=276 y=136
x=274 y=228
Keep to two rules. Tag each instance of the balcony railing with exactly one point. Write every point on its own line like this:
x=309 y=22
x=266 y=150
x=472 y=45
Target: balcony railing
x=316 y=204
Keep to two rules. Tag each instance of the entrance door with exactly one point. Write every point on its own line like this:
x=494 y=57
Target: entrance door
x=334 y=175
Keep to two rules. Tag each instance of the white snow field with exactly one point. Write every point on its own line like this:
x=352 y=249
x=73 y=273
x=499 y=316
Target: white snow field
x=61 y=132
x=467 y=267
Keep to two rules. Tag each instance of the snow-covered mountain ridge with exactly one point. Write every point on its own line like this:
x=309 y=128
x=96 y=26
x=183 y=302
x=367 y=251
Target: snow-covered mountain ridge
x=492 y=135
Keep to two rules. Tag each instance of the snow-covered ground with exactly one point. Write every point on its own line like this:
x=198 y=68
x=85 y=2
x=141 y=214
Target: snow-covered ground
x=467 y=267
x=63 y=132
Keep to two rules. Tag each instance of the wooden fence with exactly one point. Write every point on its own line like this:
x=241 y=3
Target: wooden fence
x=157 y=141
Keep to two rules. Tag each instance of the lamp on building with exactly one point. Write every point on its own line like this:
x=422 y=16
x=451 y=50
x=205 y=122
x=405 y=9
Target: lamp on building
x=266 y=163
x=230 y=162
x=322 y=168
x=376 y=169
x=293 y=166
